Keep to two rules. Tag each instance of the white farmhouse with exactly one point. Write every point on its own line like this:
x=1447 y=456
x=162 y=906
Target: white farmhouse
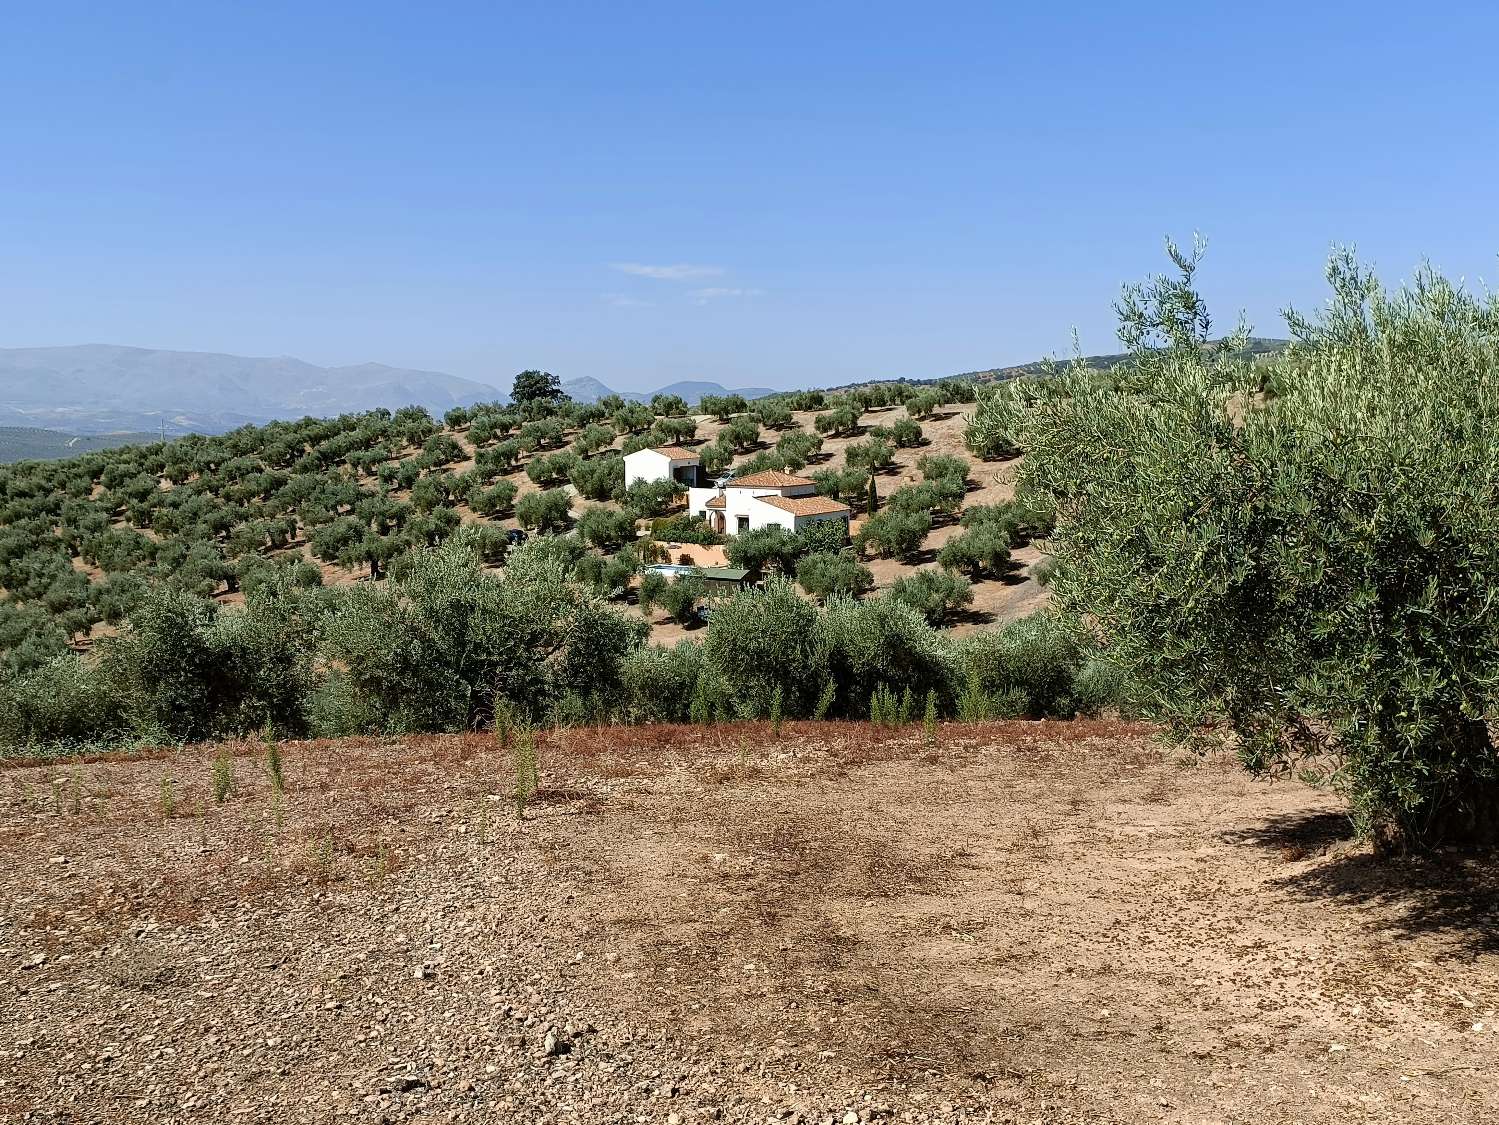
x=665 y=462
x=769 y=499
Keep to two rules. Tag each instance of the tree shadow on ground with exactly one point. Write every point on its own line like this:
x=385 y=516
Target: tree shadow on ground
x=971 y=616
x=1015 y=573
x=1448 y=892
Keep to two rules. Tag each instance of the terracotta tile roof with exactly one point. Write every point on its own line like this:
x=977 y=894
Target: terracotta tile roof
x=806 y=505
x=716 y=502
x=771 y=479
x=675 y=452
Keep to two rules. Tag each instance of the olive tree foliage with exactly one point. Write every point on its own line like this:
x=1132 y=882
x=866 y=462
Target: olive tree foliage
x=1304 y=554
x=762 y=640
x=440 y=647
x=185 y=669
x=934 y=593
x=824 y=574
x=882 y=642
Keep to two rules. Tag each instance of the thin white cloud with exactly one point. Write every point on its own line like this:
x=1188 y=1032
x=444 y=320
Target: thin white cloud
x=621 y=301
x=714 y=293
x=679 y=272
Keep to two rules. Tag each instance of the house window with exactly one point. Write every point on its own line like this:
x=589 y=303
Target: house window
x=741 y=524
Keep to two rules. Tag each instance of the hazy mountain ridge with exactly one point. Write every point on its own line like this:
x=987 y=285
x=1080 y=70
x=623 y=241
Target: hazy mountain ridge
x=96 y=388
x=108 y=388
x=104 y=389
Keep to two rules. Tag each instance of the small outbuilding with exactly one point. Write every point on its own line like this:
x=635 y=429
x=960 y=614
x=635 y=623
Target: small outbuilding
x=664 y=462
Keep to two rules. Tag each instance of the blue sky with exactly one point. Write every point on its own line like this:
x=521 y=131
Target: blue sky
x=767 y=194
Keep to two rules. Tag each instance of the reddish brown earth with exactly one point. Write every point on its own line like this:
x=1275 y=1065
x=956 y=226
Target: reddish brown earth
x=1022 y=922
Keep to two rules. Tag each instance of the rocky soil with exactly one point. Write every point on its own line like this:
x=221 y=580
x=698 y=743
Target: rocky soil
x=1016 y=922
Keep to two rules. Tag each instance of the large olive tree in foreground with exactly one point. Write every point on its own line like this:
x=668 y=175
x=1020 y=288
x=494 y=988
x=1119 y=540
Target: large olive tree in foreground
x=1304 y=553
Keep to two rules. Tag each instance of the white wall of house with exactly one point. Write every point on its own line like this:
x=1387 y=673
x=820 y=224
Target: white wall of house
x=649 y=465
x=742 y=510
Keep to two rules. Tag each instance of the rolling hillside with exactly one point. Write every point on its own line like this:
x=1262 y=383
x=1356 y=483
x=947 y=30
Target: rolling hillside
x=30 y=443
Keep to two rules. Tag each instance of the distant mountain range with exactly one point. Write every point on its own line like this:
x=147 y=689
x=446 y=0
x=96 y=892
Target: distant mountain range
x=108 y=389
x=50 y=395
x=101 y=388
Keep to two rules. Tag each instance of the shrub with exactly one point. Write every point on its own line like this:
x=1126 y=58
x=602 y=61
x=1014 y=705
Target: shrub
x=763 y=461
x=659 y=683
x=723 y=407
x=608 y=577
x=882 y=642
x=840 y=421
x=669 y=406
x=826 y=573
x=942 y=466
x=606 y=528
x=823 y=535
x=451 y=641
x=544 y=511
x=1021 y=519
x=906 y=433
x=1026 y=667
x=191 y=672
x=761 y=639
x=741 y=434
x=672 y=431
x=495 y=500
x=934 y=593
x=844 y=484
x=592 y=438
x=797 y=447
x=684 y=528
x=980 y=552
x=600 y=478
x=651 y=497
x=715 y=457
x=681 y=596
x=936 y=496
x=772 y=413
x=66 y=701
x=552 y=468
x=894 y=533
x=872 y=455
x=764 y=547
x=440 y=449
x=993 y=432
x=633 y=417
x=924 y=403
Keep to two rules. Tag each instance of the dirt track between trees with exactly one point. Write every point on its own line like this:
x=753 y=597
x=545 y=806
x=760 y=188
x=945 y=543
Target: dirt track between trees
x=1053 y=922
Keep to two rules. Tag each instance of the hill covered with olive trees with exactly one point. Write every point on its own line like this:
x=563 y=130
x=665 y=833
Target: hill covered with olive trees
x=198 y=534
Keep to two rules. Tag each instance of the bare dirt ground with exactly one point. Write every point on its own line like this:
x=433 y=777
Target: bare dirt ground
x=1025 y=922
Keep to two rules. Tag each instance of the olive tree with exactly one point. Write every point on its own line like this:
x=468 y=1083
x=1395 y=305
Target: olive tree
x=1302 y=554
